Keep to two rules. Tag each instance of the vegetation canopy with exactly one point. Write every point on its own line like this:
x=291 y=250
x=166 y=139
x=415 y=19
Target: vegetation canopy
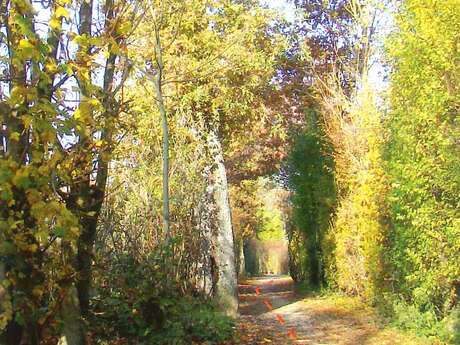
x=178 y=172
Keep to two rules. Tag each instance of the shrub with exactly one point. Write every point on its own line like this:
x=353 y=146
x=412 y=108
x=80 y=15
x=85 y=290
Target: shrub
x=140 y=302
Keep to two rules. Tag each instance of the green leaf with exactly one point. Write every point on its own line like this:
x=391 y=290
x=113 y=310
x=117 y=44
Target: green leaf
x=60 y=232
x=7 y=248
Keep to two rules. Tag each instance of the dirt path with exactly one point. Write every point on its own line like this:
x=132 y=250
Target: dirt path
x=273 y=313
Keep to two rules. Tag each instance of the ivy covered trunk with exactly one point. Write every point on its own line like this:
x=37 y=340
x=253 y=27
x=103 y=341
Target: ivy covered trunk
x=226 y=284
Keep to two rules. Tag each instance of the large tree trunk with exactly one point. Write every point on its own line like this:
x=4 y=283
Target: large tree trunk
x=205 y=224
x=226 y=285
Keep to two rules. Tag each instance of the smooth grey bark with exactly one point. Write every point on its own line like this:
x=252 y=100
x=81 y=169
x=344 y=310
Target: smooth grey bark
x=157 y=73
x=226 y=285
x=205 y=225
x=164 y=125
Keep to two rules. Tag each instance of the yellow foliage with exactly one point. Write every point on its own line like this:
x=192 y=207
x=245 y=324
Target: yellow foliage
x=359 y=229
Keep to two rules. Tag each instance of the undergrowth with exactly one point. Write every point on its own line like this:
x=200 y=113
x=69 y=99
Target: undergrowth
x=139 y=302
x=426 y=323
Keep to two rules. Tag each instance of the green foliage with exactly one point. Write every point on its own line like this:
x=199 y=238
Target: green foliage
x=310 y=167
x=271 y=222
x=272 y=225
x=422 y=154
x=394 y=239
x=141 y=302
x=426 y=323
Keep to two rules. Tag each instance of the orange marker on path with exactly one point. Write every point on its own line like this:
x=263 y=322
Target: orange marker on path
x=280 y=319
x=268 y=304
x=291 y=332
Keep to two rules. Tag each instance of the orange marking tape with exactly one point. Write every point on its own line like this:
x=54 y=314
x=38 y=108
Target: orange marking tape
x=268 y=304
x=292 y=334
x=280 y=319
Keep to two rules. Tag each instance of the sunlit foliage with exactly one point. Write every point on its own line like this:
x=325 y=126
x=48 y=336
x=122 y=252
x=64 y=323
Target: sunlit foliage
x=423 y=155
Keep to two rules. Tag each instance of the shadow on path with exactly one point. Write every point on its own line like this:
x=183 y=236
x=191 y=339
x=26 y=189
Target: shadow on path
x=273 y=313
x=277 y=289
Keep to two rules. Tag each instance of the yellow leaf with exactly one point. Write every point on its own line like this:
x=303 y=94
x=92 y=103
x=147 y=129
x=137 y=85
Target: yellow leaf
x=62 y=12
x=94 y=102
x=37 y=291
x=25 y=44
x=27 y=50
x=55 y=24
x=32 y=247
x=75 y=230
x=15 y=136
x=27 y=120
x=125 y=27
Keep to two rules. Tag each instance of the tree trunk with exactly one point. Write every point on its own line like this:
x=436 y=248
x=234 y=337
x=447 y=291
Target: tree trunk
x=73 y=332
x=226 y=285
x=84 y=259
x=241 y=261
x=205 y=224
x=165 y=149
x=158 y=85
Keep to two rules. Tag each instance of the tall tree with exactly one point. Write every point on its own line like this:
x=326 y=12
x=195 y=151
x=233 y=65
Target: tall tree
x=60 y=119
x=337 y=35
x=207 y=49
x=157 y=74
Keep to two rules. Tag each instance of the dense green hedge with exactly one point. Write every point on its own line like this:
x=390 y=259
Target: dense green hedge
x=393 y=234
x=423 y=155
